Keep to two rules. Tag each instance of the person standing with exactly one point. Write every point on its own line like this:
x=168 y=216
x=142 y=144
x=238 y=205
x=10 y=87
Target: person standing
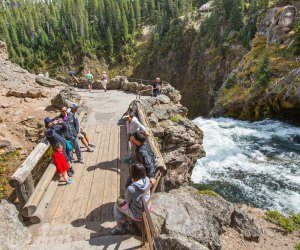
x=104 y=81
x=60 y=162
x=73 y=77
x=71 y=134
x=156 y=87
x=89 y=77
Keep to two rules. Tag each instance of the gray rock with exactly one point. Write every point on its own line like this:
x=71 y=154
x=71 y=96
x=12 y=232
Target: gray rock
x=3 y=51
x=44 y=82
x=182 y=221
x=116 y=82
x=13 y=234
x=245 y=225
x=287 y=18
x=172 y=93
x=65 y=97
x=163 y=99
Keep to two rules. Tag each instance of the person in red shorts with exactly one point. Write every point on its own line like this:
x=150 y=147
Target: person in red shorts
x=60 y=162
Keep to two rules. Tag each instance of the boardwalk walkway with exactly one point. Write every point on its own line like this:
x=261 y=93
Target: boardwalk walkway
x=79 y=216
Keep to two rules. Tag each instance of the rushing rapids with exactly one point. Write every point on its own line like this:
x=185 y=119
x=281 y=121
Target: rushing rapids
x=256 y=163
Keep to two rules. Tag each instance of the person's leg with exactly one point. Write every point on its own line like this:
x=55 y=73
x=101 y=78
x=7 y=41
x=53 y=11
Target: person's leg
x=77 y=150
x=65 y=176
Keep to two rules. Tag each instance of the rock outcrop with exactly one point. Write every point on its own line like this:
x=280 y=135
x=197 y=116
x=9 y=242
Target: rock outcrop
x=243 y=95
x=179 y=140
x=65 y=97
x=13 y=234
x=186 y=219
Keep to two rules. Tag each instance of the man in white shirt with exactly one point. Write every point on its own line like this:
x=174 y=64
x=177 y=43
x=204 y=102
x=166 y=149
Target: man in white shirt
x=133 y=125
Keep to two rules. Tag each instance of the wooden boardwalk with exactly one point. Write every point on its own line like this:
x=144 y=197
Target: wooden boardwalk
x=80 y=215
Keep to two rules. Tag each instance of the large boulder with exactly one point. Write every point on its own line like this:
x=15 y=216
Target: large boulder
x=49 y=83
x=116 y=82
x=65 y=97
x=13 y=234
x=187 y=219
x=287 y=18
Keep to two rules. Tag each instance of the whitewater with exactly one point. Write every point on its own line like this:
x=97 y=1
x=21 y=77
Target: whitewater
x=256 y=163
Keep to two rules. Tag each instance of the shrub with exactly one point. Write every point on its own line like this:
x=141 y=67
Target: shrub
x=209 y=193
x=263 y=74
x=230 y=81
x=174 y=118
x=289 y=224
x=297 y=247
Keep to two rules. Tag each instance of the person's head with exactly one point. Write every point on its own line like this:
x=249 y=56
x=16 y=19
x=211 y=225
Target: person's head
x=157 y=79
x=89 y=72
x=104 y=72
x=58 y=147
x=47 y=122
x=74 y=107
x=137 y=138
x=138 y=172
x=64 y=111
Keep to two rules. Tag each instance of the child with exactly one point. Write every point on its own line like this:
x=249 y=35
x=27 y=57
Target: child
x=131 y=208
x=60 y=162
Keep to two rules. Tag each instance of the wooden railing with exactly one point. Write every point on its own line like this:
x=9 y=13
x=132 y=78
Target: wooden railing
x=32 y=197
x=149 y=233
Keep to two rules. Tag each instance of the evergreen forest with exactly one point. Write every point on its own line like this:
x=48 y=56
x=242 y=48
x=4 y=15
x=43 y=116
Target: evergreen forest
x=44 y=32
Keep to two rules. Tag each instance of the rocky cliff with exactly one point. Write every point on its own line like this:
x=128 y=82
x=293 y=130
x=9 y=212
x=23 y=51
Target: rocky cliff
x=195 y=70
x=266 y=82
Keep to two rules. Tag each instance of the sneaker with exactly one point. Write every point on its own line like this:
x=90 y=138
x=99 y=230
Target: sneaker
x=70 y=181
x=81 y=161
x=91 y=145
x=89 y=149
x=70 y=172
x=118 y=231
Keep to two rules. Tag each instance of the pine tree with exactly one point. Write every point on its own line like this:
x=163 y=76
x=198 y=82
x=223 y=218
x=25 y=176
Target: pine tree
x=237 y=15
x=109 y=42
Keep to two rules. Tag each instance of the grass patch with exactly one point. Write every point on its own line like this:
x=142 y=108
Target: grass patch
x=290 y=223
x=8 y=164
x=297 y=247
x=209 y=193
x=175 y=118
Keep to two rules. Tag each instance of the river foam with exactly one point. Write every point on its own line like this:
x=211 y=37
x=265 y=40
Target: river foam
x=256 y=163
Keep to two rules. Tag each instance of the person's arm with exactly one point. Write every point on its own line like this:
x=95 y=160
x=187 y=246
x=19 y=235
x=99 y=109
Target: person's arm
x=128 y=195
x=148 y=164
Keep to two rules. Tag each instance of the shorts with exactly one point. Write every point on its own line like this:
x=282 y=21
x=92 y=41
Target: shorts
x=90 y=82
x=81 y=133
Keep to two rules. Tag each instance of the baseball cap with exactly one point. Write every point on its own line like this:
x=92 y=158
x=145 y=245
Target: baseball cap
x=47 y=120
x=74 y=106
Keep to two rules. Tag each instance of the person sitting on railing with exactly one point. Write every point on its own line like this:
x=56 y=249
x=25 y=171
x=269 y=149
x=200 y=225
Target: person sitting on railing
x=132 y=125
x=144 y=155
x=60 y=162
x=156 y=87
x=54 y=132
x=81 y=133
x=131 y=208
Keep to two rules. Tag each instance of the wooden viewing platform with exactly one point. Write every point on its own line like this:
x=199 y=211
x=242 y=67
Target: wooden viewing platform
x=79 y=216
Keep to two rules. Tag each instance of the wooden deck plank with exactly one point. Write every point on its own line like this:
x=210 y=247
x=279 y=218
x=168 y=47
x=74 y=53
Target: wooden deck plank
x=80 y=204
x=124 y=167
x=65 y=206
x=95 y=198
x=77 y=201
x=57 y=199
x=110 y=188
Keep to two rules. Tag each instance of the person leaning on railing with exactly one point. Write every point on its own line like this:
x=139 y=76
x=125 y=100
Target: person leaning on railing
x=131 y=207
x=144 y=155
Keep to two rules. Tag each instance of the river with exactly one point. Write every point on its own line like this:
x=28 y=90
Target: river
x=256 y=163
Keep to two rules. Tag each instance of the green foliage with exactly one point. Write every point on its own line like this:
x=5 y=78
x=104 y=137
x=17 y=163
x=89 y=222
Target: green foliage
x=237 y=15
x=8 y=163
x=290 y=223
x=297 y=247
x=209 y=193
x=263 y=74
x=175 y=118
x=230 y=81
x=297 y=37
